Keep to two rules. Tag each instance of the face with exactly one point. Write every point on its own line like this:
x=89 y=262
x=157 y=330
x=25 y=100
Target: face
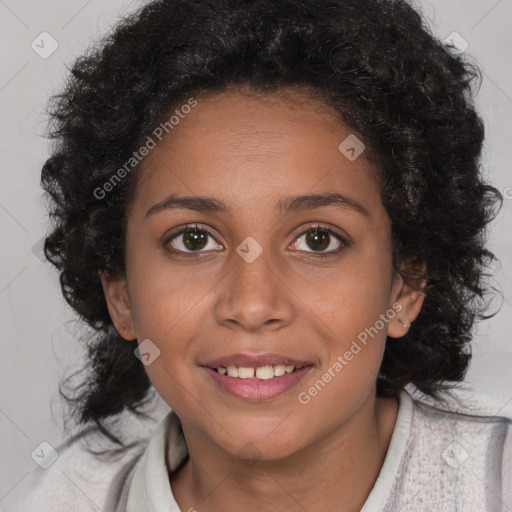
x=255 y=277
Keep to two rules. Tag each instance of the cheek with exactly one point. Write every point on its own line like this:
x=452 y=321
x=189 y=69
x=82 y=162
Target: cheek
x=351 y=299
x=355 y=337
x=166 y=298
x=165 y=311
x=166 y=307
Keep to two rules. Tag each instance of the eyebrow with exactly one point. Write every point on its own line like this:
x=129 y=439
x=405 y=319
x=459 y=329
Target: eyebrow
x=290 y=204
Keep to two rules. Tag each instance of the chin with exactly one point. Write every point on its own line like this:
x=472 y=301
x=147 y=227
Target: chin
x=269 y=441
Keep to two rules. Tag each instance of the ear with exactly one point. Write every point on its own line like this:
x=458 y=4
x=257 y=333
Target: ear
x=118 y=303
x=407 y=301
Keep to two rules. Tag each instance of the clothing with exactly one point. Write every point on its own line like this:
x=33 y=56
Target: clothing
x=450 y=455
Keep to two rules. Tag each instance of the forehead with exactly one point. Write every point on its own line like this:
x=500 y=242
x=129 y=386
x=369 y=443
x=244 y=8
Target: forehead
x=247 y=146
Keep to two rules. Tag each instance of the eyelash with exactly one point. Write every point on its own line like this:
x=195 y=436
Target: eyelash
x=317 y=226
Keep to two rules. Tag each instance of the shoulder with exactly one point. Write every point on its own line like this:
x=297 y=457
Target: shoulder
x=465 y=399
x=89 y=472
x=459 y=451
x=463 y=414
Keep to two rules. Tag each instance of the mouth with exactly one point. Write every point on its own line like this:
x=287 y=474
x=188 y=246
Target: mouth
x=256 y=378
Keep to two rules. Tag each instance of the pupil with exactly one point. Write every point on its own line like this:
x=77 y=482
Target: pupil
x=318 y=237
x=194 y=237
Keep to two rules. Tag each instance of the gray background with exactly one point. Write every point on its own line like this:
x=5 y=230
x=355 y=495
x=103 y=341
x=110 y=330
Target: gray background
x=39 y=336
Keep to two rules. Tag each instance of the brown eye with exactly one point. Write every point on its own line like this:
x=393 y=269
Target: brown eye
x=192 y=240
x=320 y=241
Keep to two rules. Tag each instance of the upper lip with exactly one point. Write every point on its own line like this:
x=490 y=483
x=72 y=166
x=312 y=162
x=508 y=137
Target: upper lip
x=255 y=361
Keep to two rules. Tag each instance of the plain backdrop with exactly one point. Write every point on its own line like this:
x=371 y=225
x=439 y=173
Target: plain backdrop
x=38 y=338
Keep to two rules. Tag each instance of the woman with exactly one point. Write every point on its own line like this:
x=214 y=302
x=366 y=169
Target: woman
x=273 y=214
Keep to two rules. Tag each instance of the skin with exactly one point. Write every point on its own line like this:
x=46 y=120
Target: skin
x=251 y=151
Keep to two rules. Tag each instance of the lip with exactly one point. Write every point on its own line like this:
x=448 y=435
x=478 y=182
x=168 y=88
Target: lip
x=257 y=390
x=254 y=361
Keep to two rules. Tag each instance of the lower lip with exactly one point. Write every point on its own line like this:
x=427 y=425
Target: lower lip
x=256 y=390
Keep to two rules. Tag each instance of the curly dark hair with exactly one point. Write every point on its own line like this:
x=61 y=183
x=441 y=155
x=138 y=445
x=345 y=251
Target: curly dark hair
x=375 y=63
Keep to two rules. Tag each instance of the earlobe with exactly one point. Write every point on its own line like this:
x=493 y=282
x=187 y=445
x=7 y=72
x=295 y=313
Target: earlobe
x=118 y=303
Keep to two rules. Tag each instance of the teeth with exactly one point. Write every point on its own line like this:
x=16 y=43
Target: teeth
x=232 y=371
x=263 y=372
x=245 y=373
x=280 y=369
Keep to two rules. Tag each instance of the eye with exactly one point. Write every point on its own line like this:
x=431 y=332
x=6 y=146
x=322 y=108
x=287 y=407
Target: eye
x=191 y=239
x=319 y=239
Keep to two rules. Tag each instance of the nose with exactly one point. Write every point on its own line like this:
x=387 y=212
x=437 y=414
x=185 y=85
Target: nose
x=253 y=296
